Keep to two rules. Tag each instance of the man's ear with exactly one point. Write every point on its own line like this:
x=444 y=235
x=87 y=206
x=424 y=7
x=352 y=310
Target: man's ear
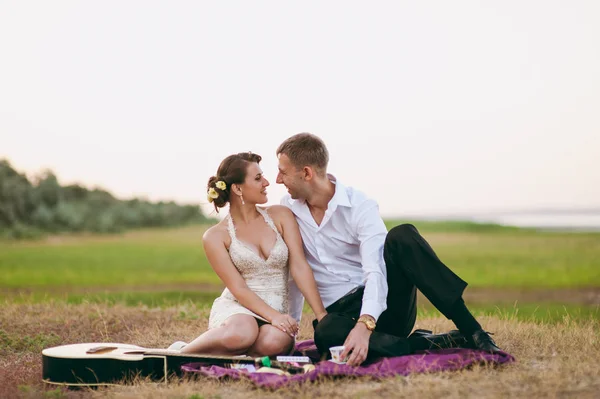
x=308 y=173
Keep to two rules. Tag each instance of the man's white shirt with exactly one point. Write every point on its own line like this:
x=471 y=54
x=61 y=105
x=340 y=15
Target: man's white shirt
x=345 y=251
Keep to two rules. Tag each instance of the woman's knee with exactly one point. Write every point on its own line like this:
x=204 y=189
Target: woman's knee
x=236 y=340
x=271 y=343
x=239 y=334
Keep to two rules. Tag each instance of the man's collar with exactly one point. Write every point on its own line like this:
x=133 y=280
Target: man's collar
x=340 y=196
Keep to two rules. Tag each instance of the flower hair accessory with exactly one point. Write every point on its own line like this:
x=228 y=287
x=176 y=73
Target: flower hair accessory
x=221 y=185
x=212 y=194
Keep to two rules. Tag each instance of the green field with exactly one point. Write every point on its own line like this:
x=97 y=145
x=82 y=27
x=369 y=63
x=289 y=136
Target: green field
x=485 y=257
x=146 y=257
x=152 y=287
x=488 y=255
x=167 y=266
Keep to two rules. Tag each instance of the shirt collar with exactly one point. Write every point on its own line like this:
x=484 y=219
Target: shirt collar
x=340 y=197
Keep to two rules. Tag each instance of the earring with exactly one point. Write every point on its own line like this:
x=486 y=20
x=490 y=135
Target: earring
x=242 y=198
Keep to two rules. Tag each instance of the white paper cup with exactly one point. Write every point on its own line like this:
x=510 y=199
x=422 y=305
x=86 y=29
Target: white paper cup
x=336 y=354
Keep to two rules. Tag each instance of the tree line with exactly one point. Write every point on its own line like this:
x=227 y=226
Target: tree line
x=30 y=208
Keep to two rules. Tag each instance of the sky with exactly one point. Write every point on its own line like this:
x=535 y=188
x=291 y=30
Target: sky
x=429 y=107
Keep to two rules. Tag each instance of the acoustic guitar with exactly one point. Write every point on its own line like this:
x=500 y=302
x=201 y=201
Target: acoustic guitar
x=96 y=364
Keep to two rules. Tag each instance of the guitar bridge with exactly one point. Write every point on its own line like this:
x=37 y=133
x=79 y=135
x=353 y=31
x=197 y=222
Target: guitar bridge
x=98 y=350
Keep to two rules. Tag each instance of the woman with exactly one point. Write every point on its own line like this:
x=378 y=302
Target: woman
x=252 y=250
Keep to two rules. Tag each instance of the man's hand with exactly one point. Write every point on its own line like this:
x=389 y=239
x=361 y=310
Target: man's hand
x=357 y=342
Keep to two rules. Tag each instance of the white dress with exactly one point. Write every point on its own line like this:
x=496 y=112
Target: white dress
x=267 y=278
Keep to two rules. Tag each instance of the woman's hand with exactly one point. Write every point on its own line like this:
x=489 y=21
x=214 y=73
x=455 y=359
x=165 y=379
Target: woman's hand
x=286 y=323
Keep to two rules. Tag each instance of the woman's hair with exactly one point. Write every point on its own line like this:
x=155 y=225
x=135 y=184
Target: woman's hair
x=232 y=170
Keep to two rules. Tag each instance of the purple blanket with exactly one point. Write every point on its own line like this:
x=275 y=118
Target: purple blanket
x=425 y=362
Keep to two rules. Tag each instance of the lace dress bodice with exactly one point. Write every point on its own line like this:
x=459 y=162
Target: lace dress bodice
x=268 y=278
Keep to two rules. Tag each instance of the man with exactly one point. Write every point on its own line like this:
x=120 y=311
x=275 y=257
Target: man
x=366 y=276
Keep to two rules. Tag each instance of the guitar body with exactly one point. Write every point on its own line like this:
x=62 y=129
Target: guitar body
x=95 y=364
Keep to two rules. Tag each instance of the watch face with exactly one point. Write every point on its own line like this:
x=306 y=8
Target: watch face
x=369 y=323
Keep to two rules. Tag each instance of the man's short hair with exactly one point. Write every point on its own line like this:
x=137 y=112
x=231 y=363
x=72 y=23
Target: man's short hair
x=306 y=149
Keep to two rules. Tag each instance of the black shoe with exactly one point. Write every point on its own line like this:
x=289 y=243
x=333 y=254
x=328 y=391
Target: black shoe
x=419 y=332
x=452 y=339
x=481 y=340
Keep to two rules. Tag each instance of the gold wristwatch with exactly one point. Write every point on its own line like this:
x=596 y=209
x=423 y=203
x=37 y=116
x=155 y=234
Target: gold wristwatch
x=368 y=321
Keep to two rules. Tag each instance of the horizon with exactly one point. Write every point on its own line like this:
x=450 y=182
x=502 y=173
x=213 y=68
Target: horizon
x=431 y=215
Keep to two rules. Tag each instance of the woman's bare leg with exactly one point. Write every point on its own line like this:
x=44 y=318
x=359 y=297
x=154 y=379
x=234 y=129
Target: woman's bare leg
x=234 y=337
x=271 y=341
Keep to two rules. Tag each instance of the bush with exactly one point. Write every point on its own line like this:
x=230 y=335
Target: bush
x=69 y=217
x=27 y=209
x=20 y=231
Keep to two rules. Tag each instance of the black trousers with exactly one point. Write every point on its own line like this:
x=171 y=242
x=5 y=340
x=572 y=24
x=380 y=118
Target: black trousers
x=411 y=264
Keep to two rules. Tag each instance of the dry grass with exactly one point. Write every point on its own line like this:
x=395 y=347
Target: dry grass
x=553 y=360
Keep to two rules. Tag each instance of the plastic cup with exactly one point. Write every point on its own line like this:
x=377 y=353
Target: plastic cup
x=336 y=354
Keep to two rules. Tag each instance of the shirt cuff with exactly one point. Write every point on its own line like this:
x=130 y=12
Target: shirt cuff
x=372 y=308
x=296 y=300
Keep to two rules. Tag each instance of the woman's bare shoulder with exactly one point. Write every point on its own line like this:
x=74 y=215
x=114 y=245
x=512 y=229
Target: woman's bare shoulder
x=279 y=212
x=281 y=216
x=217 y=234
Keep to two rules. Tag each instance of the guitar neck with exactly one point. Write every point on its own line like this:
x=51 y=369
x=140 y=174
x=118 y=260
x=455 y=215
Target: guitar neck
x=224 y=360
x=214 y=359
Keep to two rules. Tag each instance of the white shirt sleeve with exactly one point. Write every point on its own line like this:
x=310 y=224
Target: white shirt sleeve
x=295 y=300
x=371 y=233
